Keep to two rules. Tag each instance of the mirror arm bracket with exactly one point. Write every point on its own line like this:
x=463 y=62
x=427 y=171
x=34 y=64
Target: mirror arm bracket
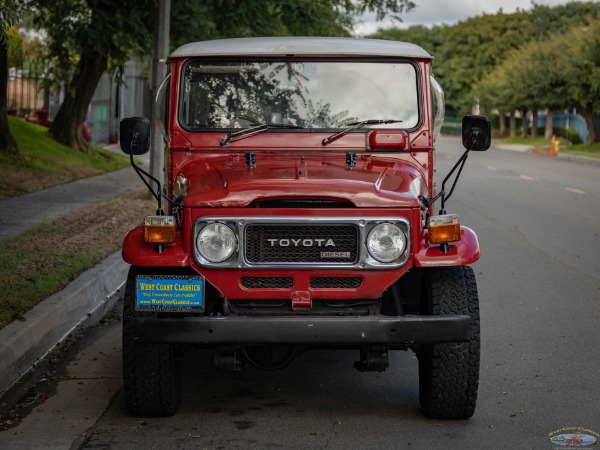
x=143 y=174
x=460 y=164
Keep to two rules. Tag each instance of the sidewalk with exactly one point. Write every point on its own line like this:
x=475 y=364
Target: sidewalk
x=24 y=343
x=27 y=211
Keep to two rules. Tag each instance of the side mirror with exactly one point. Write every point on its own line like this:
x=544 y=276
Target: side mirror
x=476 y=133
x=135 y=135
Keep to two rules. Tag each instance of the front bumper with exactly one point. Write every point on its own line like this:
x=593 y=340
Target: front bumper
x=402 y=330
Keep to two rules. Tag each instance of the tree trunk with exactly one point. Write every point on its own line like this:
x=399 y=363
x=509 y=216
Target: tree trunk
x=7 y=142
x=524 y=123
x=534 y=123
x=549 y=125
x=69 y=119
x=502 y=123
x=589 y=120
x=513 y=124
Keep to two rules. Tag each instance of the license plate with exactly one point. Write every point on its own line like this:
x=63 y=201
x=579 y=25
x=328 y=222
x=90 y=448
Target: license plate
x=170 y=293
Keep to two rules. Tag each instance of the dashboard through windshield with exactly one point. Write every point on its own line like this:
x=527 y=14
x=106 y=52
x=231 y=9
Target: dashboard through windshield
x=236 y=95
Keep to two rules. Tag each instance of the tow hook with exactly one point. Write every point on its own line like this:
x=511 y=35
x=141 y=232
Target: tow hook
x=373 y=358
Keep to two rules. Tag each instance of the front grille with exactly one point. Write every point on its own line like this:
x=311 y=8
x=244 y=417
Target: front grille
x=266 y=282
x=305 y=243
x=335 y=282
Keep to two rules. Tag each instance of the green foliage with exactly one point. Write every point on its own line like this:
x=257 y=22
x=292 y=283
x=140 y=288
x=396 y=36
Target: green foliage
x=44 y=162
x=547 y=21
x=430 y=39
x=10 y=11
x=84 y=35
x=115 y=28
x=14 y=48
x=569 y=133
x=512 y=61
x=584 y=67
x=118 y=28
x=241 y=18
x=196 y=21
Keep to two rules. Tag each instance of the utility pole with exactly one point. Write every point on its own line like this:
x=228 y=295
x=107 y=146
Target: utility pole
x=159 y=71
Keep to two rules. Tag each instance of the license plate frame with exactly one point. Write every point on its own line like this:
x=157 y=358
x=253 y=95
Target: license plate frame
x=170 y=293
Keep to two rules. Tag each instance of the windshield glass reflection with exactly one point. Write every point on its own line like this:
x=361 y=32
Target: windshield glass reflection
x=300 y=94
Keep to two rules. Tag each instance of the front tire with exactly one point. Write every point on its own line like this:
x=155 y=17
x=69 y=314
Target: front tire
x=151 y=372
x=449 y=372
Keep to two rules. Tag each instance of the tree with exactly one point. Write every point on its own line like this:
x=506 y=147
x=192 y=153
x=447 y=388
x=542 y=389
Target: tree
x=474 y=48
x=550 y=20
x=9 y=13
x=584 y=74
x=471 y=50
x=430 y=39
x=99 y=31
x=84 y=35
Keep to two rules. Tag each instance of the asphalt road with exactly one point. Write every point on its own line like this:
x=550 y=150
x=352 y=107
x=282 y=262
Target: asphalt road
x=537 y=219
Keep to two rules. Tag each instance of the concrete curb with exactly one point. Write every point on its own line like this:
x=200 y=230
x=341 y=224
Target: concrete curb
x=88 y=297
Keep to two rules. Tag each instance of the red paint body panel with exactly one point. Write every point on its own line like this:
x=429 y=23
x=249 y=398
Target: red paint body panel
x=226 y=181
x=464 y=252
x=375 y=282
x=138 y=253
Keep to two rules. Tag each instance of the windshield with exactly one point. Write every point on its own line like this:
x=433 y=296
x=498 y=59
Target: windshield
x=300 y=94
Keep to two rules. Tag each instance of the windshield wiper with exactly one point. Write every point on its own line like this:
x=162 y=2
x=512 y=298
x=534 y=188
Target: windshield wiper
x=355 y=125
x=244 y=133
x=257 y=128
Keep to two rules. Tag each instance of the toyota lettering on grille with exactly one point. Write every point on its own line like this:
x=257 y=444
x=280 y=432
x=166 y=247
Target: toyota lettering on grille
x=301 y=242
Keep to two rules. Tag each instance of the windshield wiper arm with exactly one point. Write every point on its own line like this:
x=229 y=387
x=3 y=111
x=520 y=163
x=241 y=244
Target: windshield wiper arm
x=355 y=125
x=244 y=133
x=259 y=128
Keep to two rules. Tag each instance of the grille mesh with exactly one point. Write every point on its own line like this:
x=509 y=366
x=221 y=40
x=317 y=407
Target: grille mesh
x=266 y=282
x=335 y=282
x=292 y=243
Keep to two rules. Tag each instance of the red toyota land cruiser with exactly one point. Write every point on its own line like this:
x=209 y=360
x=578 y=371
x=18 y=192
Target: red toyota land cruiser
x=299 y=192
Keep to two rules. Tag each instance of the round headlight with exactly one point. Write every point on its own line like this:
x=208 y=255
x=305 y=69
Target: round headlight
x=216 y=242
x=386 y=242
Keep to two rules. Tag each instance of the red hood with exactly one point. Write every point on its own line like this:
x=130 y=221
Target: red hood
x=372 y=183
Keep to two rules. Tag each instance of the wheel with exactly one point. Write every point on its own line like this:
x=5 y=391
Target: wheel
x=449 y=372
x=151 y=372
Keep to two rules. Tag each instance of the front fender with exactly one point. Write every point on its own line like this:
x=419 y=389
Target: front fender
x=461 y=253
x=137 y=253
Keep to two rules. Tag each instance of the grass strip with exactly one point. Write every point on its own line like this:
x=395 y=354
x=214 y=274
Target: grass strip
x=44 y=260
x=43 y=162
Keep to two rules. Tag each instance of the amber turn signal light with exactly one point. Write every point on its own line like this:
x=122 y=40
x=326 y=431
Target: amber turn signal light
x=159 y=229
x=444 y=229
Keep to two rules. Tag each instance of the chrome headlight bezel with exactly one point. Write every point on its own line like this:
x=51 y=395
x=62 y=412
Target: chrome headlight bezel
x=217 y=234
x=386 y=242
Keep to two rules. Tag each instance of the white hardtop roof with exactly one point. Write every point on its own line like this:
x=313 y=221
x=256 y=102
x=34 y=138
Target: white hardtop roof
x=300 y=46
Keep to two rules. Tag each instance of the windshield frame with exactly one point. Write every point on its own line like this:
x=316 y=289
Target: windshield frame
x=308 y=59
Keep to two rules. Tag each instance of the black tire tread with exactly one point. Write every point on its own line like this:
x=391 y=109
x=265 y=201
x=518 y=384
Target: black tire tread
x=151 y=372
x=449 y=373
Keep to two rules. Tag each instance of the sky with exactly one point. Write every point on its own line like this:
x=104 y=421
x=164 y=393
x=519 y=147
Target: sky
x=438 y=12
